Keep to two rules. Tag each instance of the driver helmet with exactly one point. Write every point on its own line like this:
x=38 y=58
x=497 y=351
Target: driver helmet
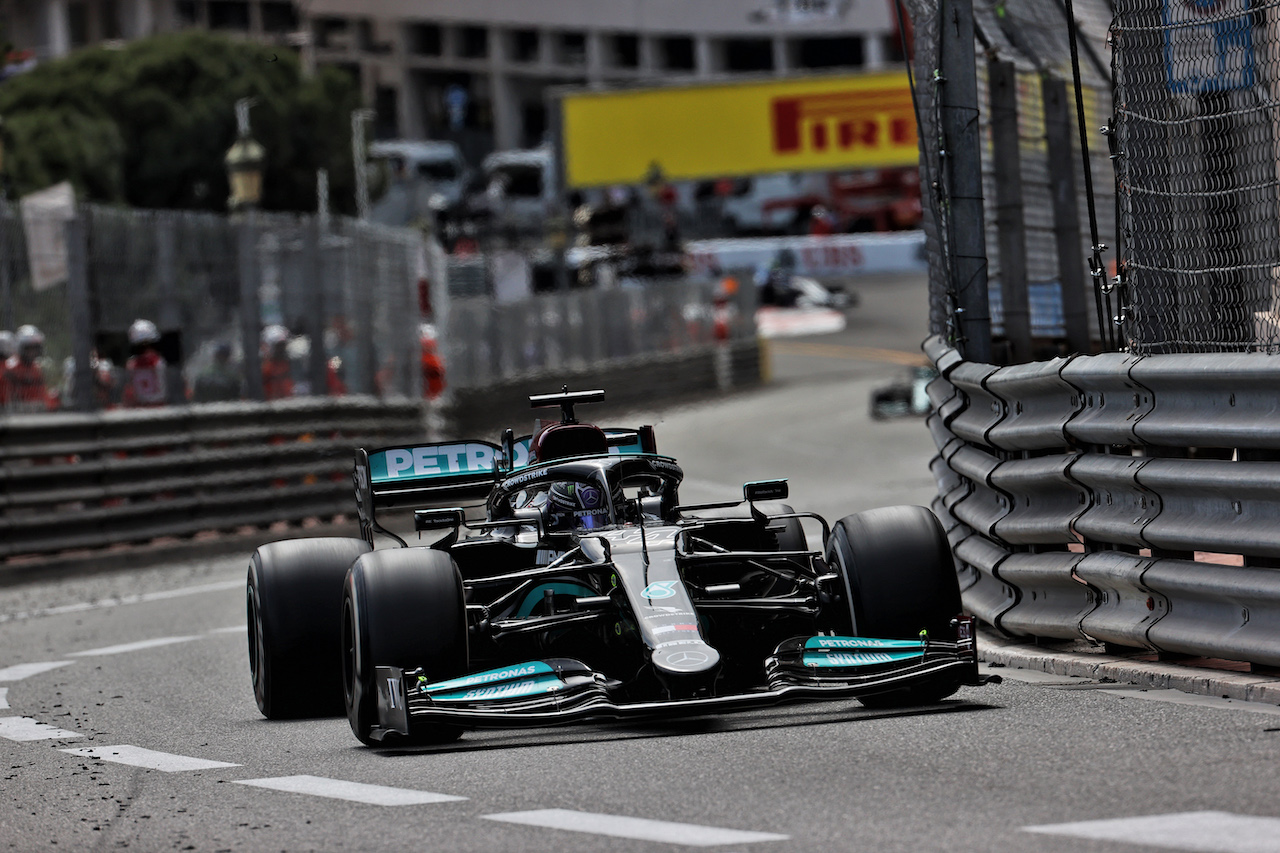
x=577 y=506
x=143 y=332
x=8 y=344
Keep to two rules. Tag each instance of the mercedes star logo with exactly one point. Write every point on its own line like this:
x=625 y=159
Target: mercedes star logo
x=686 y=659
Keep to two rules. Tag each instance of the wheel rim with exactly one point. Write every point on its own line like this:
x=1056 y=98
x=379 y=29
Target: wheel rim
x=257 y=654
x=348 y=654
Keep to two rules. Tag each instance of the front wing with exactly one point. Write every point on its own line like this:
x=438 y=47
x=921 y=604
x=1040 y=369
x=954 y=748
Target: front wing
x=560 y=691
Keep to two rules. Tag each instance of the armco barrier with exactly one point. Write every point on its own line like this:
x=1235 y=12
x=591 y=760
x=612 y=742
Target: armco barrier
x=88 y=481
x=1107 y=497
x=70 y=481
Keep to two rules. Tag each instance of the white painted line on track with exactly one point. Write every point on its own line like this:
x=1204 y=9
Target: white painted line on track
x=1177 y=697
x=134 y=647
x=1219 y=832
x=617 y=826
x=4 y=698
x=359 y=792
x=25 y=728
x=26 y=670
x=142 y=598
x=136 y=756
x=230 y=629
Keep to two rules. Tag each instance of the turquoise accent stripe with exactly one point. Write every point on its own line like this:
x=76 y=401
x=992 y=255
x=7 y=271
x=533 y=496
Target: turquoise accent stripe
x=860 y=643
x=504 y=690
x=847 y=659
x=492 y=676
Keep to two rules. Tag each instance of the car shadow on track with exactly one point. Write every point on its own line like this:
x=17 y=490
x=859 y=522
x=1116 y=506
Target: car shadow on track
x=609 y=732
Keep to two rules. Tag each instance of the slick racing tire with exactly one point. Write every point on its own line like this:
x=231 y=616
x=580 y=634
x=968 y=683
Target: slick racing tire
x=294 y=604
x=405 y=608
x=899 y=578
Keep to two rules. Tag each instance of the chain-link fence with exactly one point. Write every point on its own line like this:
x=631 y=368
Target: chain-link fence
x=260 y=306
x=268 y=305
x=488 y=342
x=1197 y=85
x=1037 y=235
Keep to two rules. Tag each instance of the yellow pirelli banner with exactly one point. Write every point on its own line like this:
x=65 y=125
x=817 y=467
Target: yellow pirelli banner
x=715 y=130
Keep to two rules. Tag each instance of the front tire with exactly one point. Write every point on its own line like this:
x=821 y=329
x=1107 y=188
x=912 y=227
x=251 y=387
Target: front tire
x=900 y=579
x=293 y=599
x=405 y=608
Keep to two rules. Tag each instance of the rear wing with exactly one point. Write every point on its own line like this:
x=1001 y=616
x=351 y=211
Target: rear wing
x=425 y=475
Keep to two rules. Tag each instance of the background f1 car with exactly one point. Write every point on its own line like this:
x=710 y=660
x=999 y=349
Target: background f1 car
x=589 y=592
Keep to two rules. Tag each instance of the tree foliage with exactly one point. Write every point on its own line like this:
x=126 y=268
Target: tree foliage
x=150 y=123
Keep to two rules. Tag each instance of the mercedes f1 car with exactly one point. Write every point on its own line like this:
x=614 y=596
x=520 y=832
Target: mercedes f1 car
x=589 y=592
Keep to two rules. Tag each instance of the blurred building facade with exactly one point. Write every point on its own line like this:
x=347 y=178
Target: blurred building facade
x=478 y=72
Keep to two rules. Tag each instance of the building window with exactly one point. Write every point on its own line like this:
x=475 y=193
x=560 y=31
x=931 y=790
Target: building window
x=473 y=42
x=110 y=20
x=676 y=53
x=332 y=33
x=525 y=46
x=188 y=13
x=624 y=51
x=279 y=17
x=78 y=24
x=829 y=52
x=424 y=39
x=571 y=49
x=229 y=16
x=746 y=55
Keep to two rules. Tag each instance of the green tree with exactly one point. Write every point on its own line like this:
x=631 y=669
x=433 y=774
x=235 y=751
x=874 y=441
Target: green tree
x=149 y=124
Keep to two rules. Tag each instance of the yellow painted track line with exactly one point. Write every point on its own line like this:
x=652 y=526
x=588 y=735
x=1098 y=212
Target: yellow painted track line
x=892 y=356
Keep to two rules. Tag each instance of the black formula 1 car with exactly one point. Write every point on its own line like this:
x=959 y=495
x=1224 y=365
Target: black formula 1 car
x=590 y=592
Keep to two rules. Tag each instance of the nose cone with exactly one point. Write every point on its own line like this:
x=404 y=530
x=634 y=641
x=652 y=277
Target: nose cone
x=691 y=660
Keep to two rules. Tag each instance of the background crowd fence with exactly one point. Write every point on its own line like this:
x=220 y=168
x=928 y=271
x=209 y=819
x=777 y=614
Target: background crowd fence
x=1124 y=499
x=571 y=330
x=73 y=480
x=1034 y=199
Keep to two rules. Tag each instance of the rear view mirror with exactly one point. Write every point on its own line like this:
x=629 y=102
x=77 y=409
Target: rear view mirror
x=765 y=490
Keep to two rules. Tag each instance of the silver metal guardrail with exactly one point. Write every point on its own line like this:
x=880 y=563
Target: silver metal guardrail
x=1130 y=500
x=78 y=480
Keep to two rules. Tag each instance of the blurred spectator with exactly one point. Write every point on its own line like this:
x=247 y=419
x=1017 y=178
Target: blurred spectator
x=104 y=381
x=277 y=372
x=725 y=311
x=822 y=221
x=219 y=381
x=335 y=386
x=24 y=374
x=432 y=365
x=145 y=381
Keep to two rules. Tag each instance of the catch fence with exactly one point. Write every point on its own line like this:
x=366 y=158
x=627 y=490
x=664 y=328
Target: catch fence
x=1034 y=201
x=365 y=309
x=1198 y=101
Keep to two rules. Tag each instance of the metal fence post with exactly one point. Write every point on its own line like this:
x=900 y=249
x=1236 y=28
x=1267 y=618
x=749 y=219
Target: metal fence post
x=249 y=306
x=1010 y=219
x=81 y=311
x=170 y=316
x=1066 y=213
x=313 y=289
x=963 y=174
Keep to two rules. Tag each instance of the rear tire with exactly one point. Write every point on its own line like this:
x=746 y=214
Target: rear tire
x=899 y=578
x=293 y=599
x=405 y=608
